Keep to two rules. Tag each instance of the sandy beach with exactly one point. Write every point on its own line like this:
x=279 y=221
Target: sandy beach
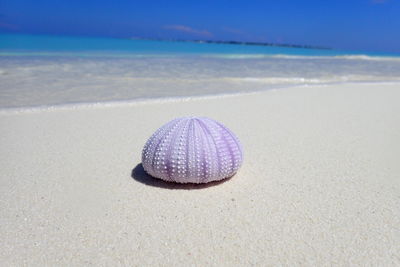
x=320 y=183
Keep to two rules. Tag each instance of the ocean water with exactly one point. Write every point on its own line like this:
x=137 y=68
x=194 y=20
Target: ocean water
x=57 y=70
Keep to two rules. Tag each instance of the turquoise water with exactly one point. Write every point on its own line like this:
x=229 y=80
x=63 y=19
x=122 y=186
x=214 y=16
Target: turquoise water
x=57 y=70
x=31 y=44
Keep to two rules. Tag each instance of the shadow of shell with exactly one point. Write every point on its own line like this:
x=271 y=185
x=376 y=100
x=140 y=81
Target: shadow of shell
x=140 y=175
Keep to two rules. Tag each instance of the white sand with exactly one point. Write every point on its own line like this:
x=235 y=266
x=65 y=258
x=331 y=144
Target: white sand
x=320 y=184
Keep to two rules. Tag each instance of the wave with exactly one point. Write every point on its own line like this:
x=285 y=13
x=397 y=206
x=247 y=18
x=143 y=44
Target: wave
x=84 y=54
x=303 y=80
x=367 y=57
x=118 y=54
x=284 y=56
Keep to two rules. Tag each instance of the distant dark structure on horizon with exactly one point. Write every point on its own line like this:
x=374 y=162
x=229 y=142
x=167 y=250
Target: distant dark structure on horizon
x=235 y=43
x=256 y=44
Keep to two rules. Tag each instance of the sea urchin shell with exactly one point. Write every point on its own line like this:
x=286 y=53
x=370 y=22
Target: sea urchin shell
x=192 y=150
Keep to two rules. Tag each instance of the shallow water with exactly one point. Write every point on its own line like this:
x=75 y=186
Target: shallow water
x=36 y=77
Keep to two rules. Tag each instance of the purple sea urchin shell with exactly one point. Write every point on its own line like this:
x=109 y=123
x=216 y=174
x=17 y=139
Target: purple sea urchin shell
x=192 y=150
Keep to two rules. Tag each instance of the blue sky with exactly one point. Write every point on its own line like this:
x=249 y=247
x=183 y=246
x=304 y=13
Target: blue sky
x=372 y=25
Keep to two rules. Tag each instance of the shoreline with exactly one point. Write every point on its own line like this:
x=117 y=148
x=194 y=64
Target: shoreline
x=177 y=99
